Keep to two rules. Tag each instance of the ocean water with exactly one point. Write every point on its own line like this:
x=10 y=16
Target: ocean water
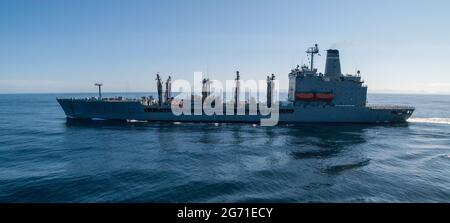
x=46 y=158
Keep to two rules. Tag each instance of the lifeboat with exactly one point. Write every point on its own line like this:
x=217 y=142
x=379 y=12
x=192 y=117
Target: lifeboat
x=304 y=96
x=324 y=96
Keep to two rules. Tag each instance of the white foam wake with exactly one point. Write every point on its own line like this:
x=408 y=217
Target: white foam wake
x=134 y=121
x=431 y=120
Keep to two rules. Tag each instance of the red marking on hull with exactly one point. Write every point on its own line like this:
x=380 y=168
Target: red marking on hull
x=304 y=96
x=324 y=96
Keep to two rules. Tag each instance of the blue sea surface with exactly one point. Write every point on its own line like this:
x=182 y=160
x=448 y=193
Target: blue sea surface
x=46 y=158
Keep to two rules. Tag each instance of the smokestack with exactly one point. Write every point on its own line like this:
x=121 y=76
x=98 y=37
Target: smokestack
x=333 y=64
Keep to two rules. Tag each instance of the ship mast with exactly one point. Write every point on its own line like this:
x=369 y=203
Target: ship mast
x=270 y=80
x=168 y=92
x=236 y=90
x=99 y=85
x=159 y=87
x=206 y=91
x=311 y=51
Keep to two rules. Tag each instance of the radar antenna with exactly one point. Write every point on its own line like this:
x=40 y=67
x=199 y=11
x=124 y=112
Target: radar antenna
x=311 y=51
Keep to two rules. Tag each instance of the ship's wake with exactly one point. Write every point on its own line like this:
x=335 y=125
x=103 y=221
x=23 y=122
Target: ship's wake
x=135 y=121
x=445 y=121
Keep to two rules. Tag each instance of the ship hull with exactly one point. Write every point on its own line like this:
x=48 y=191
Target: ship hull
x=134 y=110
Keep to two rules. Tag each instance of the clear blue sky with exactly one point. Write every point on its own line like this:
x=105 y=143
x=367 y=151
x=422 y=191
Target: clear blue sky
x=66 y=46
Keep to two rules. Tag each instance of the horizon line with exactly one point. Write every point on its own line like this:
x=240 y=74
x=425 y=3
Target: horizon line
x=283 y=91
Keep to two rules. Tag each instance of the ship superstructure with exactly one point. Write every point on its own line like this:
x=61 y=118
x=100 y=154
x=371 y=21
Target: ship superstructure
x=312 y=97
x=308 y=87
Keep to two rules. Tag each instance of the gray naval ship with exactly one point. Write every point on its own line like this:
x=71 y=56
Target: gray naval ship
x=313 y=97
